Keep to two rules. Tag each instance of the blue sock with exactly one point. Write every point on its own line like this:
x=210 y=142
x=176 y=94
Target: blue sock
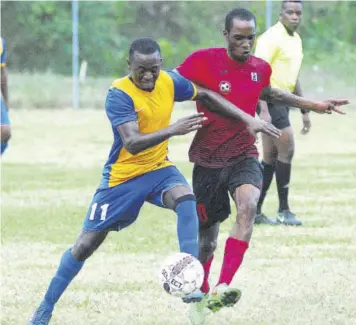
x=3 y=147
x=188 y=226
x=68 y=268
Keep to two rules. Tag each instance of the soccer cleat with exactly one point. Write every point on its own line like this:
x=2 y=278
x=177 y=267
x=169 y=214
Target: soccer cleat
x=195 y=296
x=41 y=316
x=262 y=219
x=223 y=296
x=198 y=311
x=288 y=218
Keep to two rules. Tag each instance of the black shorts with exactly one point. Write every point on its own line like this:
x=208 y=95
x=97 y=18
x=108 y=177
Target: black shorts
x=279 y=115
x=212 y=186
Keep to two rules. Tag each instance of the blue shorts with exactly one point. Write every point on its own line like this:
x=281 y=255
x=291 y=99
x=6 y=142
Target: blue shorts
x=4 y=119
x=117 y=207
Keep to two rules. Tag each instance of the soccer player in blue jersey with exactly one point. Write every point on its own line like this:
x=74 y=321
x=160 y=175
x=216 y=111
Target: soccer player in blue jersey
x=4 y=119
x=139 y=107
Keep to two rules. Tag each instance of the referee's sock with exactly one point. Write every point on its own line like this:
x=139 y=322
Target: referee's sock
x=268 y=172
x=283 y=172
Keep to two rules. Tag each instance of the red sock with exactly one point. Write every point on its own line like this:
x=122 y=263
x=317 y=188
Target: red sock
x=234 y=254
x=205 y=288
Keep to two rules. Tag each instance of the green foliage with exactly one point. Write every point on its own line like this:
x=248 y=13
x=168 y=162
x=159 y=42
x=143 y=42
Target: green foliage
x=40 y=37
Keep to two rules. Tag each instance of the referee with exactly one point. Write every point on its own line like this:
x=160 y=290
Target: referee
x=282 y=48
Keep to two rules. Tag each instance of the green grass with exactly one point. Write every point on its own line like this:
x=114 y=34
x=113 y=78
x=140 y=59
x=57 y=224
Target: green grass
x=290 y=275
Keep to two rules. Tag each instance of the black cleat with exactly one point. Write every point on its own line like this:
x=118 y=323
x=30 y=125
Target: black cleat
x=261 y=219
x=288 y=218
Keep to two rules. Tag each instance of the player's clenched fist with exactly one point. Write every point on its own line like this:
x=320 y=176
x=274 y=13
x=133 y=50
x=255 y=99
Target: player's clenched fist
x=188 y=124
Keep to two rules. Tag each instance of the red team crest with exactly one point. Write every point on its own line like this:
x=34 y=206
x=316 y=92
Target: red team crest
x=225 y=87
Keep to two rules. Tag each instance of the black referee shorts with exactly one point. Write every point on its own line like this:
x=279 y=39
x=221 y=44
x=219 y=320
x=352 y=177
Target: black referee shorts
x=279 y=115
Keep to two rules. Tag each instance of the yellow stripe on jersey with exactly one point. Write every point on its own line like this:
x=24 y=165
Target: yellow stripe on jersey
x=284 y=53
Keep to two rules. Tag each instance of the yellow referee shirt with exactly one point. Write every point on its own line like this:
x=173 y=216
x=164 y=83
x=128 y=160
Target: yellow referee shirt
x=284 y=53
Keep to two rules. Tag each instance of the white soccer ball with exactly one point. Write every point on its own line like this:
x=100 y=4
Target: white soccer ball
x=181 y=274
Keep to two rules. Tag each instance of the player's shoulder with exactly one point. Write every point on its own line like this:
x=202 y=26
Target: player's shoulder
x=118 y=91
x=259 y=64
x=272 y=33
x=209 y=53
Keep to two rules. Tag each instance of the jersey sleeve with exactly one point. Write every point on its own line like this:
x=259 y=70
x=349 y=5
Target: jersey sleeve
x=3 y=54
x=267 y=48
x=183 y=88
x=194 y=67
x=119 y=107
x=266 y=79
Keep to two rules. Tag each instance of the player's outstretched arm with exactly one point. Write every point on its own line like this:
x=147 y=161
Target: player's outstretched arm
x=271 y=94
x=135 y=141
x=217 y=103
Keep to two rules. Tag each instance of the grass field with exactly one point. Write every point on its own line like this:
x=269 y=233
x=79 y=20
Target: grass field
x=294 y=276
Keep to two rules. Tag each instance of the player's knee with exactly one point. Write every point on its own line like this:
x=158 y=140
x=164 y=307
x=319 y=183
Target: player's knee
x=207 y=249
x=270 y=156
x=247 y=211
x=287 y=155
x=84 y=248
x=5 y=133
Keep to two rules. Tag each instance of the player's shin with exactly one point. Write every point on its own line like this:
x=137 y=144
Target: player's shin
x=187 y=225
x=233 y=256
x=205 y=288
x=68 y=268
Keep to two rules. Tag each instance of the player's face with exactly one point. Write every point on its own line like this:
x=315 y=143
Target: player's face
x=291 y=15
x=240 y=39
x=145 y=69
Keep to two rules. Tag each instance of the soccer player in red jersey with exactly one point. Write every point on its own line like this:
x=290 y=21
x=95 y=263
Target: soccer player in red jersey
x=224 y=153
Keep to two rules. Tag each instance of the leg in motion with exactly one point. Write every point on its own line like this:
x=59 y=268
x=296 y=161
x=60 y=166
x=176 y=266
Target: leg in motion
x=245 y=197
x=71 y=263
x=285 y=146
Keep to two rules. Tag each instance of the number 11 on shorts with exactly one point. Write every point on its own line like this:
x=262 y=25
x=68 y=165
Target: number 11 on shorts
x=104 y=210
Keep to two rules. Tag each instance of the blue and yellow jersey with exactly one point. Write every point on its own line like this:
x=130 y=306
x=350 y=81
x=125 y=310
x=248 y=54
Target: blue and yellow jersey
x=284 y=53
x=2 y=53
x=152 y=111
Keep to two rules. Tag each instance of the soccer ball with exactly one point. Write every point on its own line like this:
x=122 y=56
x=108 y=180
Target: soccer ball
x=181 y=274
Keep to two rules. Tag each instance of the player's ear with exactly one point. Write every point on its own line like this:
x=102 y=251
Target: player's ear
x=225 y=34
x=128 y=63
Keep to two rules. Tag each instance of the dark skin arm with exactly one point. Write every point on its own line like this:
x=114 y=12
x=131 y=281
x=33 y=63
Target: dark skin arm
x=305 y=116
x=217 y=103
x=4 y=88
x=276 y=95
x=135 y=141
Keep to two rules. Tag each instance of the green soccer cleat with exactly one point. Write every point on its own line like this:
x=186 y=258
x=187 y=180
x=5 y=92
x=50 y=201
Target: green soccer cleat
x=198 y=311
x=223 y=296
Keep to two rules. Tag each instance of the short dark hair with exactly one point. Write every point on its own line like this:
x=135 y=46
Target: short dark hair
x=286 y=1
x=240 y=13
x=144 y=45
